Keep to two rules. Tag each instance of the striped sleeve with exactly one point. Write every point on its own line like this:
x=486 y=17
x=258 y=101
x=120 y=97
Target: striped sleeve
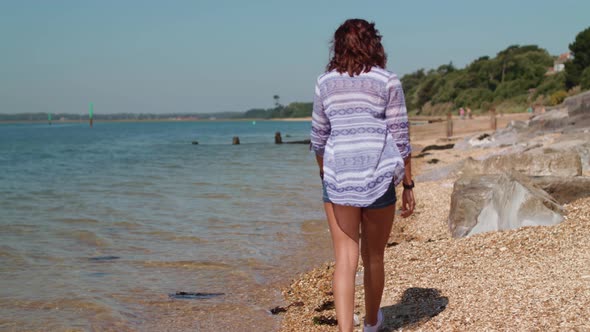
x=320 y=124
x=396 y=116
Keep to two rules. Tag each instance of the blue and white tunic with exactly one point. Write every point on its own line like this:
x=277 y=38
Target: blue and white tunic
x=360 y=126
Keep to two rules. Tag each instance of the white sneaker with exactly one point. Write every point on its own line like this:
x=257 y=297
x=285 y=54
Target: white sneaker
x=376 y=327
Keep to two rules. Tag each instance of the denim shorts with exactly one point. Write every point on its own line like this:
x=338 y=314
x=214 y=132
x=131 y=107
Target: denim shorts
x=386 y=200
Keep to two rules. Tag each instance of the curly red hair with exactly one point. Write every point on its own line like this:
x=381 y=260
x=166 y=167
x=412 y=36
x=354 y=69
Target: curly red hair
x=356 y=48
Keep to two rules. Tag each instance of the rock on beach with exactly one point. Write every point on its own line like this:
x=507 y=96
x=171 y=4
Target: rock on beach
x=485 y=203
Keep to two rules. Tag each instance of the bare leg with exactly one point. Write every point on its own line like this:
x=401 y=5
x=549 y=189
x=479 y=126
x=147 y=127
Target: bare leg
x=375 y=228
x=344 y=224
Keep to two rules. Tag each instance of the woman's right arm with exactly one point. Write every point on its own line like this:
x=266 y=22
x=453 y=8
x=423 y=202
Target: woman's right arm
x=320 y=129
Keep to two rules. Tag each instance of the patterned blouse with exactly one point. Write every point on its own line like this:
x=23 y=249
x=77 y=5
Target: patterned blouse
x=360 y=126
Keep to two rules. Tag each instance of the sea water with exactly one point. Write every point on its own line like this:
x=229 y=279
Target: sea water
x=98 y=226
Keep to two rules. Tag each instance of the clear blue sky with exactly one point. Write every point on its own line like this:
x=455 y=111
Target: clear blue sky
x=223 y=55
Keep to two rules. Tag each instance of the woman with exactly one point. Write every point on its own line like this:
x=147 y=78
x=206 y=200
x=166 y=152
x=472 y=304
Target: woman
x=362 y=144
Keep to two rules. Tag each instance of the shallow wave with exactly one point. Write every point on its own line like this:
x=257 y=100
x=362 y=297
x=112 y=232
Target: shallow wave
x=148 y=194
x=193 y=265
x=203 y=183
x=60 y=303
x=86 y=237
x=78 y=220
x=11 y=259
x=127 y=224
x=172 y=236
x=8 y=252
x=127 y=184
x=314 y=226
x=213 y=196
x=61 y=314
x=19 y=229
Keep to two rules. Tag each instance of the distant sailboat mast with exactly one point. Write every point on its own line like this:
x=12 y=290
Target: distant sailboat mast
x=90 y=113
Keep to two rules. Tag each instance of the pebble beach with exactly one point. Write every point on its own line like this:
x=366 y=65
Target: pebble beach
x=528 y=279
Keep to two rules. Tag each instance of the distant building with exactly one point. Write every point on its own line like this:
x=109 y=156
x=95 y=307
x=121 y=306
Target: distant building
x=559 y=63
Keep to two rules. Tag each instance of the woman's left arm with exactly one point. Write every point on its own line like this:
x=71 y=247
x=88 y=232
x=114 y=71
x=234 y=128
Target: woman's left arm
x=396 y=117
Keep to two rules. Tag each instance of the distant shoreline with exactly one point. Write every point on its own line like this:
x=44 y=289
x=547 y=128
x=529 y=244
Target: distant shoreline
x=426 y=119
x=156 y=120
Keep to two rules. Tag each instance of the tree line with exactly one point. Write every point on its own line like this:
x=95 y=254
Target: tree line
x=518 y=77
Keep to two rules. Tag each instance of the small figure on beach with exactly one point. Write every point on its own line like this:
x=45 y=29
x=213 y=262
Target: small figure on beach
x=462 y=113
x=469 y=115
x=539 y=108
x=363 y=153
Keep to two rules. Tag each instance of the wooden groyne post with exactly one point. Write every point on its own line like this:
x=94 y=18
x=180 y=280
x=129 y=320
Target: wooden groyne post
x=493 y=120
x=449 y=124
x=278 y=138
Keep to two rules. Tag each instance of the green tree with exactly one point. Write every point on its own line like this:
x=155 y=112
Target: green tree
x=557 y=98
x=426 y=91
x=410 y=84
x=300 y=110
x=506 y=59
x=585 y=79
x=446 y=87
x=551 y=84
x=506 y=78
x=474 y=98
x=445 y=69
x=581 y=50
x=257 y=113
x=277 y=98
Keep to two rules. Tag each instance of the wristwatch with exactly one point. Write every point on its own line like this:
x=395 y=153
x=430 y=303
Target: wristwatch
x=408 y=186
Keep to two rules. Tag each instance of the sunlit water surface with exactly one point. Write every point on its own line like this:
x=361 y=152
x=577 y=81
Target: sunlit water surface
x=99 y=225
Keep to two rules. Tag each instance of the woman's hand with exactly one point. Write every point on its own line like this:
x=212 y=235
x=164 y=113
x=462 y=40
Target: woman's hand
x=408 y=203
x=320 y=160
